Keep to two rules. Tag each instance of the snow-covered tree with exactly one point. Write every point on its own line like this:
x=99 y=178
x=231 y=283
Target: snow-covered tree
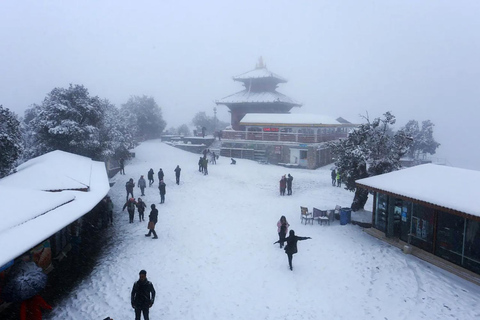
x=423 y=141
x=144 y=117
x=115 y=137
x=184 y=130
x=68 y=120
x=369 y=150
x=10 y=141
x=201 y=120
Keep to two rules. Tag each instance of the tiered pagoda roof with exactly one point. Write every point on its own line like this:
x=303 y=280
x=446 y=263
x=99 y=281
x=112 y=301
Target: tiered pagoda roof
x=259 y=95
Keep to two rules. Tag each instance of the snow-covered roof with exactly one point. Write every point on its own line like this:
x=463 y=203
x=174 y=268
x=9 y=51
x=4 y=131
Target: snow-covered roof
x=259 y=73
x=49 y=172
x=30 y=214
x=247 y=96
x=447 y=187
x=288 y=119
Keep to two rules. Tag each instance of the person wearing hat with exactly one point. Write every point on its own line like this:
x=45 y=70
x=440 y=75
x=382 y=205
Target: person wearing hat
x=143 y=296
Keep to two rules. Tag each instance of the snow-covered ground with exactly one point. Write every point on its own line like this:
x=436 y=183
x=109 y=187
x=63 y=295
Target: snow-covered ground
x=215 y=257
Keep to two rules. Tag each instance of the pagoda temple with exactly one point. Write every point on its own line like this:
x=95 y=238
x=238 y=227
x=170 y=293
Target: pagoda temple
x=259 y=95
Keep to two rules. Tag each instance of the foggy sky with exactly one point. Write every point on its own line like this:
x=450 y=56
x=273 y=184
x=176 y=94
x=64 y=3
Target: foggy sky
x=417 y=59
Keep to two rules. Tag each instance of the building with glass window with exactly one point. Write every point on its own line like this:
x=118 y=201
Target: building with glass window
x=432 y=207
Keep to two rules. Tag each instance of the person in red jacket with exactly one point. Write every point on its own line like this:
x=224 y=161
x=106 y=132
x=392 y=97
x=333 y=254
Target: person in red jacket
x=31 y=309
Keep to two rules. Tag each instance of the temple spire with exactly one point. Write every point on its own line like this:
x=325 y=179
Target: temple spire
x=260 y=64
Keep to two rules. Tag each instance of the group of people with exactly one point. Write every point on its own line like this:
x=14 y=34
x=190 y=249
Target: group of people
x=203 y=161
x=336 y=180
x=286 y=183
x=291 y=240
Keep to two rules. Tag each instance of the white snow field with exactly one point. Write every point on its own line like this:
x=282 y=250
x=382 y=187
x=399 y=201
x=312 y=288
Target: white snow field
x=215 y=257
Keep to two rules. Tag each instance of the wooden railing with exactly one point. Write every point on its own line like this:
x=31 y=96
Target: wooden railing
x=281 y=136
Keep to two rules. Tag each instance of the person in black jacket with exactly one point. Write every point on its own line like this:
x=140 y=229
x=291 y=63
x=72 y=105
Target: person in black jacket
x=129 y=187
x=152 y=221
x=162 y=187
x=130 y=205
x=150 y=177
x=289 y=185
x=177 y=173
x=160 y=174
x=141 y=209
x=291 y=247
x=143 y=296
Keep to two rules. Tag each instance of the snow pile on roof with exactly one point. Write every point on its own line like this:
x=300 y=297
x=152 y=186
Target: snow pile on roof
x=287 y=118
x=56 y=170
x=30 y=214
x=448 y=187
x=258 y=74
x=247 y=96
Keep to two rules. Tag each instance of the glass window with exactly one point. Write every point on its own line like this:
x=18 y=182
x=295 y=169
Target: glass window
x=381 y=212
x=422 y=227
x=303 y=154
x=450 y=229
x=472 y=246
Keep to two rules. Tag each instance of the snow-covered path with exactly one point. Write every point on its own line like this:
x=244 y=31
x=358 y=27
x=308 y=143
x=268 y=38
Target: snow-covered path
x=215 y=257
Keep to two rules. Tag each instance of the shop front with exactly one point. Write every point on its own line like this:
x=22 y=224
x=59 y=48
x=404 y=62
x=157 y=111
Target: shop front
x=409 y=205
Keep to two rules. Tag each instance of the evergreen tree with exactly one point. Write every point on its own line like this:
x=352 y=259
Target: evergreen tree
x=423 y=141
x=201 y=120
x=369 y=150
x=115 y=138
x=184 y=130
x=10 y=141
x=67 y=120
x=144 y=117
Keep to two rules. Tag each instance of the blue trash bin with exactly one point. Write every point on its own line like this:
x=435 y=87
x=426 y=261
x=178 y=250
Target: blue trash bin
x=345 y=216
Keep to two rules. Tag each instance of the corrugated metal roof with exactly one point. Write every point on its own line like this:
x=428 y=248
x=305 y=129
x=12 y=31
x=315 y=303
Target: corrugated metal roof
x=447 y=187
x=246 y=96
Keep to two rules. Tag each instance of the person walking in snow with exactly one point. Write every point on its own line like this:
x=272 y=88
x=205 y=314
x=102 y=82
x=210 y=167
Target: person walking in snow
x=150 y=177
x=160 y=174
x=334 y=177
x=142 y=184
x=339 y=181
x=130 y=205
x=214 y=158
x=283 y=185
x=282 y=229
x=141 y=209
x=177 y=174
x=291 y=247
x=152 y=221
x=205 y=166
x=289 y=185
x=200 y=164
x=109 y=210
x=142 y=296
x=129 y=187
x=162 y=187
x=122 y=166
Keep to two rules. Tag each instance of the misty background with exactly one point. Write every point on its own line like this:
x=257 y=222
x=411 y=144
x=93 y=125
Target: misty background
x=417 y=59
